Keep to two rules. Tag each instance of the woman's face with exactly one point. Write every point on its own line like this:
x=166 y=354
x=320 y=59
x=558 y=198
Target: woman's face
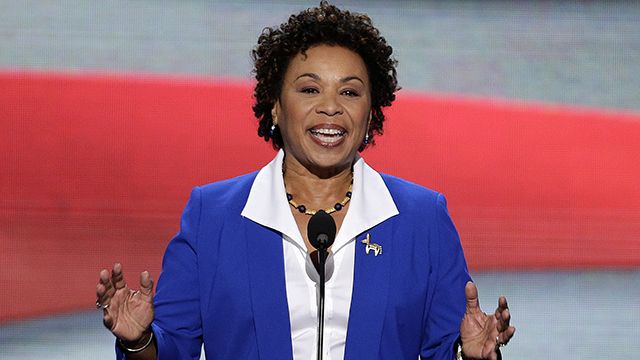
x=324 y=107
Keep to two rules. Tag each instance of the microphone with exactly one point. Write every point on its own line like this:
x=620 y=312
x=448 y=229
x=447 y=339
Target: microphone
x=321 y=232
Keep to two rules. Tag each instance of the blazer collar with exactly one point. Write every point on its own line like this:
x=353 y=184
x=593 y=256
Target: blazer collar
x=371 y=202
x=267 y=202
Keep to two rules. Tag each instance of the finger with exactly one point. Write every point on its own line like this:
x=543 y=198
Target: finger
x=146 y=286
x=104 y=300
x=101 y=294
x=101 y=288
x=104 y=276
x=502 y=303
x=104 y=293
x=471 y=293
x=506 y=335
x=104 y=290
x=503 y=317
x=117 y=277
x=503 y=320
x=107 y=321
x=105 y=280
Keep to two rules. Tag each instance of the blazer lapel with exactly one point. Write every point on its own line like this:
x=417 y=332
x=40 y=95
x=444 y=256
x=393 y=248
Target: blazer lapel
x=369 y=298
x=268 y=292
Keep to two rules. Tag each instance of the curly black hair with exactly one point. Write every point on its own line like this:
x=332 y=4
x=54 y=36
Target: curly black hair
x=325 y=24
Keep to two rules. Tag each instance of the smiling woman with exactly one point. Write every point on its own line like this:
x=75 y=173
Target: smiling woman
x=326 y=25
x=323 y=109
x=240 y=276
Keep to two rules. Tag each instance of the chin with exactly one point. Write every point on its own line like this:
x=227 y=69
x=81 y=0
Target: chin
x=336 y=159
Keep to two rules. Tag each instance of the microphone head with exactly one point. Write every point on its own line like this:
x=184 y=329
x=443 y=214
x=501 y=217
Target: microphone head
x=321 y=230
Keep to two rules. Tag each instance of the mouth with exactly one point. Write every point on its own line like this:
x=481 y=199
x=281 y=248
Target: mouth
x=328 y=134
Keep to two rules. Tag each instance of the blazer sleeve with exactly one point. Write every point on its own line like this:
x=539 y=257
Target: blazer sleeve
x=445 y=305
x=177 y=323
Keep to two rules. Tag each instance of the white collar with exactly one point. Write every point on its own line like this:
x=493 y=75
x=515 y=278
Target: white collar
x=267 y=203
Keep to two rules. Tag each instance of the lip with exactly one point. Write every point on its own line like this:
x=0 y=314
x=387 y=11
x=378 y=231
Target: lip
x=335 y=140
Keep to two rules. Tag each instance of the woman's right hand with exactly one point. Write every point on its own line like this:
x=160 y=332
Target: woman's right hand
x=128 y=313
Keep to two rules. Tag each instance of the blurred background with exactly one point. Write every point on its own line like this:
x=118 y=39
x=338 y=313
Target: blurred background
x=525 y=114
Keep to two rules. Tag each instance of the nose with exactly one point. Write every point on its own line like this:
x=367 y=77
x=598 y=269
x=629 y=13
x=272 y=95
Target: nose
x=329 y=105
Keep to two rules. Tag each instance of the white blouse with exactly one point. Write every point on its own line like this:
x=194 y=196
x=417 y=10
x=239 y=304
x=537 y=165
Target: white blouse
x=371 y=204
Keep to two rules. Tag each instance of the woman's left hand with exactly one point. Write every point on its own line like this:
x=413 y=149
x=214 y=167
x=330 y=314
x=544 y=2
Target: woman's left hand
x=481 y=334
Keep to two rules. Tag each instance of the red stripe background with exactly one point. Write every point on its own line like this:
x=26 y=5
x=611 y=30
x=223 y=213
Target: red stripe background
x=96 y=168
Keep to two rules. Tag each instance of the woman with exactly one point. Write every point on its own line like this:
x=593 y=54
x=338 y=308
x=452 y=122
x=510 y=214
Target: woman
x=238 y=275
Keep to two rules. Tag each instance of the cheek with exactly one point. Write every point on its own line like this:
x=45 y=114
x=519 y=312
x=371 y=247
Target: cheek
x=363 y=117
x=296 y=113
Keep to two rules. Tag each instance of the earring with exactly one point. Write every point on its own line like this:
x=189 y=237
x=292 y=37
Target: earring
x=366 y=135
x=272 y=130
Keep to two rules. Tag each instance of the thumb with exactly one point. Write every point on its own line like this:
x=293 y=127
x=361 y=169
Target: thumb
x=146 y=285
x=471 y=293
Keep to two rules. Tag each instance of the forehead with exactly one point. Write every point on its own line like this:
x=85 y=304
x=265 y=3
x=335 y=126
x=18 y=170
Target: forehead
x=328 y=61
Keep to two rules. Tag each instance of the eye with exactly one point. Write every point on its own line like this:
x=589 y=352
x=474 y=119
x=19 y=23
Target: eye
x=350 y=93
x=309 y=90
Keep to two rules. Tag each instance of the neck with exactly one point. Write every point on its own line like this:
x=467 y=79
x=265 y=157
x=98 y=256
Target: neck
x=316 y=189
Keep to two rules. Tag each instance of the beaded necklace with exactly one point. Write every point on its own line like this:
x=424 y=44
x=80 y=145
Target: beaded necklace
x=337 y=207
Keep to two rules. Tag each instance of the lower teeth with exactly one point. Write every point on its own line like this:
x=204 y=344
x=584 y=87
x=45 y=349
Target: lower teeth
x=328 y=138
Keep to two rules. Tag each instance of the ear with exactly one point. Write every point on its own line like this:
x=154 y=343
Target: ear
x=274 y=112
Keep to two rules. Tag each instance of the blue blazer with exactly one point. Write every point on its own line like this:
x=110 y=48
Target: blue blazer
x=223 y=282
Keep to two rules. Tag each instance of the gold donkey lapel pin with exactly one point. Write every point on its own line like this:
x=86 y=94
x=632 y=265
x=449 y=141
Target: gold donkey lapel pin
x=377 y=249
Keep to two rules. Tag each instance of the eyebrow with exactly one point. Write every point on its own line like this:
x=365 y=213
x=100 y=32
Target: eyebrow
x=342 y=80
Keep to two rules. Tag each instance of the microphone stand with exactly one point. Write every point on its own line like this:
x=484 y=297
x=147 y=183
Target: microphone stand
x=322 y=257
x=321 y=232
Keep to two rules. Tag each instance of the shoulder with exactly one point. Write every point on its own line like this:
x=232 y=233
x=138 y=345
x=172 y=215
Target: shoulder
x=411 y=197
x=226 y=194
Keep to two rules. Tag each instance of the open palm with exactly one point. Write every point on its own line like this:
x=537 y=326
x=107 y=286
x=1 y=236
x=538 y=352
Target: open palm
x=127 y=313
x=481 y=334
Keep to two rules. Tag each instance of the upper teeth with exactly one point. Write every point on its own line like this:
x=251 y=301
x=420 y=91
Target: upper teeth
x=327 y=131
